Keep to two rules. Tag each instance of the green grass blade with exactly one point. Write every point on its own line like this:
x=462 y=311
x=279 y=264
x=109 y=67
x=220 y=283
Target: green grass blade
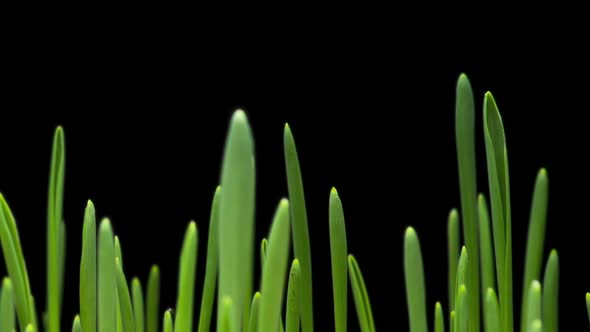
x=588 y=304
x=492 y=312
x=415 y=290
x=486 y=252
x=536 y=326
x=153 y=300
x=253 y=324
x=118 y=251
x=183 y=321
x=462 y=318
x=168 y=324
x=294 y=297
x=535 y=304
x=275 y=266
x=107 y=280
x=263 y=246
x=76 y=326
x=465 y=139
x=360 y=296
x=551 y=293
x=211 y=266
x=497 y=161
x=15 y=263
x=30 y=328
x=454 y=248
x=226 y=315
x=138 y=305
x=452 y=326
x=7 y=322
x=236 y=220
x=88 y=287
x=119 y=257
x=339 y=253
x=124 y=299
x=62 y=261
x=301 y=244
x=536 y=238
x=439 y=318
x=462 y=271
x=54 y=221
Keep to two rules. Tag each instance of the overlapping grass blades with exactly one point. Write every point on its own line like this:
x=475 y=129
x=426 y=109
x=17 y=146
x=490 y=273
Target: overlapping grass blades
x=486 y=258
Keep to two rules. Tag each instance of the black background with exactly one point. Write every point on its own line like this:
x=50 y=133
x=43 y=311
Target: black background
x=145 y=114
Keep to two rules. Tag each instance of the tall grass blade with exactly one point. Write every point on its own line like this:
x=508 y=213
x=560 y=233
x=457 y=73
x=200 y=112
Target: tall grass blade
x=107 y=279
x=588 y=304
x=454 y=248
x=465 y=139
x=535 y=304
x=536 y=239
x=254 y=310
x=293 y=297
x=138 y=305
x=153 y=300
x=551 y=293
x=226 y=315
x=211 y=266
x=492 y=312
x=339 y=254
x=236 y=220
x=88 y=286
x=124 y=299
x=168 y=324
x=360 y=296
x=415 y=287
x=439 y=318
x=76 y=325
x=186 y=281
x=7 y=322
x=462 y=272
x=462 y=317
x=486 y=251
x=301 y=244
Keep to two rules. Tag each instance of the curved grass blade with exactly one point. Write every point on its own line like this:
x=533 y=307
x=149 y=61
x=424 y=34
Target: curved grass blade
x=168 y=321
x=211 y=266
x=486 y=252
x=107 y=279
x=339 y=252
x=253 y=324
x=293 y=297
x=54 y=222
x=7 y=322
x=454 y=240
x=492 y=312
x=275 y=266
x=186 y=281
x=236 y=220
x=124 y=299
x=551 y=293
x=301 y=244
x=536 y=238
x=76 y=326
x=439 y=318
x=462 y=317
x=360 y=296
x=465 y=140
x=497 y=161
x=226 y=315
x=15 y=263
x=535 y=304
x=153 y=300
x=414 y=273
x=138 y=305
x=263 y=246
x=88 y=287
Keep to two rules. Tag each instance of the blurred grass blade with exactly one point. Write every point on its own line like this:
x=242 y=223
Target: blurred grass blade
x=153 y=300
x=462 y=317
x=7 y=322
x=360 y=295
x=454 y=246
x=536 y=326
x=211 y=266
x=186 y=281
x=497 y=161
x=15 y=264
x=588 y=304
x=462 y=272
x=465 y=140
x=275 y=266
x=492 y=312
x=263 y=246
x=124 y=299
x=301 y=244
x=452 y=326
x=439 y=318
x=339 y=254
x=76 y=326
x=236 y=221
x=118 y=251
x=54 y=221
x=488 y=276
x=226 y=315
x=535 y=304
x=138 y=305
x=119 y=257
x=536 y=238
x=168 y=324
x=107 y=282
x=293 y=297
x=414 y=273
x=253 y=324
x=30 y=328
x=551 y=294
x=88 y=287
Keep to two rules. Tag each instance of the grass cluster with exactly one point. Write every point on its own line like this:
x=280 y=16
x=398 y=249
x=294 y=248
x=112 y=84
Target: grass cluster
x=480 y=271
x=480 y=278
